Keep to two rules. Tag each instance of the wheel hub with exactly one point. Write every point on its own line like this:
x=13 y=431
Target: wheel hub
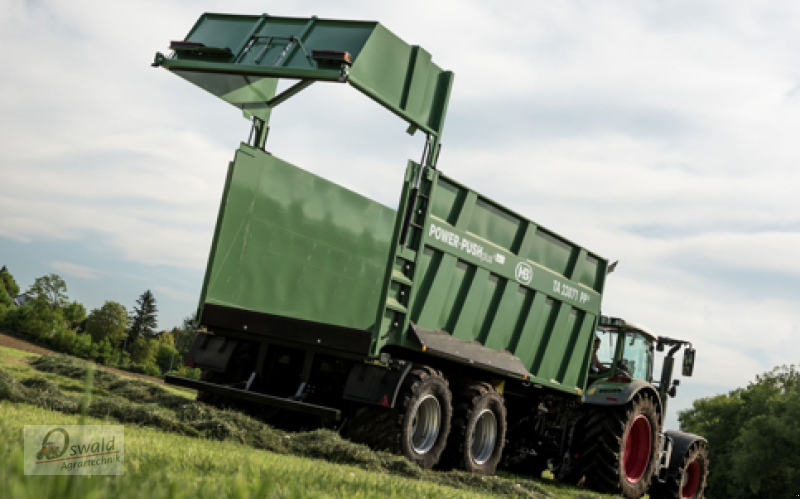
x=484 y=436
x=425 y=424
x=691 y=480
x=636 y=453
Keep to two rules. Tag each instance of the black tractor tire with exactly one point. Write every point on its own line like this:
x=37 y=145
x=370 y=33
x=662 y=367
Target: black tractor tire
x=478 y=433
x=605 y=463
x=691 y=479
x=417 y=427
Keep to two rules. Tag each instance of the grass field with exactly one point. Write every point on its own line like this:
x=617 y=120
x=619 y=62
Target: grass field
x=177 y=448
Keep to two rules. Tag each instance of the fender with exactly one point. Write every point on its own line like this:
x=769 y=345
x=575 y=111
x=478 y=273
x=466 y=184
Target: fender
x=376 y=384
x=603 y=392
x=212 y=352
x=681 y=443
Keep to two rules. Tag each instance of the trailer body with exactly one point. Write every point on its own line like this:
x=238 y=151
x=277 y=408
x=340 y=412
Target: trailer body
x=452 y=329
x=301 y=259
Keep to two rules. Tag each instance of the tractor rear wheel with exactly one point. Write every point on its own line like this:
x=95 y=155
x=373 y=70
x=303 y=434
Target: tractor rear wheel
x=690 y=481
x=417 y=427
x=478 y=433
x=619 y=447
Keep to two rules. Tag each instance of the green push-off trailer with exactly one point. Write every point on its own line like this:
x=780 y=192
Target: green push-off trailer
x=452 y=330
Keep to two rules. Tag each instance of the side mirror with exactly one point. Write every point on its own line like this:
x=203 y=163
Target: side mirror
x=688 y=361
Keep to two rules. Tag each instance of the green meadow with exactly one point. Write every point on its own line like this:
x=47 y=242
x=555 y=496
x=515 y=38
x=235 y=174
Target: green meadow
x=175 y=447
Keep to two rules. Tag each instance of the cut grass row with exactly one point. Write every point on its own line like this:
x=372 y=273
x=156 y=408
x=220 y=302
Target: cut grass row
x=229 y=458
x=160 y=465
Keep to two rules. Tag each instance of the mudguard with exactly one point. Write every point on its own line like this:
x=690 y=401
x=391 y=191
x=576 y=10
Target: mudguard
x=375 y=385
x=603 y=392
x=681 y=443
x=212 y=352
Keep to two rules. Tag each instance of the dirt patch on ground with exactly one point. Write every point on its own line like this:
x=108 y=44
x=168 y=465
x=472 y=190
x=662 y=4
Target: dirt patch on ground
x=18 y=344
x=9 y=341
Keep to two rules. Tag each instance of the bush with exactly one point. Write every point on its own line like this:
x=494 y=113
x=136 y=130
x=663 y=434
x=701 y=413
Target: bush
x=144 y=351
x=83 y=347
x=12 y=318
x=4 y=309
x=41 y=322
x=106 y=353
x=5 y=300
x=147 y=369
x=165 y=356
x=188 y=372
x=64 y=340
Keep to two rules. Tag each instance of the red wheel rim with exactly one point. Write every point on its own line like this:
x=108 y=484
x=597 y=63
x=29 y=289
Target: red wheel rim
x=636 y=453
x=691 y=479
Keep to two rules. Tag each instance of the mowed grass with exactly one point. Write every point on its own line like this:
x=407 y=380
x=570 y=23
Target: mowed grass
x=16 y=362
x=161 y=465
x=164 y=464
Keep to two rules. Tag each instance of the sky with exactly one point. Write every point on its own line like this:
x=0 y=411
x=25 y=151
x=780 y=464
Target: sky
x=660 y=134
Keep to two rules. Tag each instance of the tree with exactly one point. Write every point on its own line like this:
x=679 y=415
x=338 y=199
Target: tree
x=6 y=302
x=40 y=321
x=143 y=351
x=746 y=429
x=184 y=335
x=50 y=289
x=64 y=340
x=74 y=313
x=143 y=319
x=166 y=337
x=7 y=279
x=766 y=461
x=108 y=322
x=166 y=356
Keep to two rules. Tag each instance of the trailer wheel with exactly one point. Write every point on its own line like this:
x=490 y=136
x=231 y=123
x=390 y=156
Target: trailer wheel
x=417 y=427
x=478 y=433
x=690 y=481
x=619 y=447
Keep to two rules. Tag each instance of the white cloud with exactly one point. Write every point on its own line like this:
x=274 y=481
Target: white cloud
x=75 y=270
x=177 y=295
x=660 y=134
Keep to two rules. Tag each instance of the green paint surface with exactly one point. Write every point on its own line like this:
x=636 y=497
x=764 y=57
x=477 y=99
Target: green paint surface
x=486 y=274
x=400 y=77
x=290 y=243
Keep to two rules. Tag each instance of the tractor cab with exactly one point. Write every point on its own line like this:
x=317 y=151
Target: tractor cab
x=625 y=350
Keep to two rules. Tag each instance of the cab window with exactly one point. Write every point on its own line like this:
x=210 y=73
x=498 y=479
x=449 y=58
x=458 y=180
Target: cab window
x=638 y=356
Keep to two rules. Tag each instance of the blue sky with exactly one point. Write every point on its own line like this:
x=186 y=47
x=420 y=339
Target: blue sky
x=661 y=134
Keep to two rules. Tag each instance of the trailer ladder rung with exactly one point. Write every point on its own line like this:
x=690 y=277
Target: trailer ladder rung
x=393 y=304
x=401 y=278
